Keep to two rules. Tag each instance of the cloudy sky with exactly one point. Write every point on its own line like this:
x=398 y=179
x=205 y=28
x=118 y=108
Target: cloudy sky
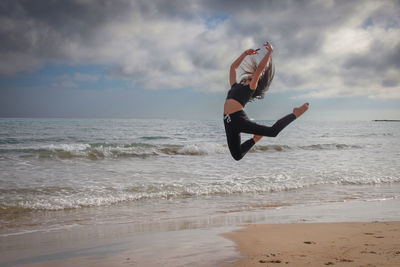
x=171 y=59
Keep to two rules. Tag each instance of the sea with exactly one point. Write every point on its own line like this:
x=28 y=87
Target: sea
x=63 y=174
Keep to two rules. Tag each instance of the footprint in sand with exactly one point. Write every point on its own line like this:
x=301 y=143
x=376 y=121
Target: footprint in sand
x=371 y=252
x=344 y=260
x=273 y=261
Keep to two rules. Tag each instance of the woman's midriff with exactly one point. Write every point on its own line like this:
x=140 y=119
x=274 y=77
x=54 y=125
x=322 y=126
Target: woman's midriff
x=231 y=106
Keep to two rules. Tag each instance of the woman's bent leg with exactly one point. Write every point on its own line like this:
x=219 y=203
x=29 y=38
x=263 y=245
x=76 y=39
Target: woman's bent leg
x=238 y=150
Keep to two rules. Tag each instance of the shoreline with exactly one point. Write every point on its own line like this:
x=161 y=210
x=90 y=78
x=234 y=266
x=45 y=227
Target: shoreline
x=319 y=244
x=198 y=241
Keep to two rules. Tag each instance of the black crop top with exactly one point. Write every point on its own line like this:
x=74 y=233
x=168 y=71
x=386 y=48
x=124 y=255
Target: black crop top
x=241 y=93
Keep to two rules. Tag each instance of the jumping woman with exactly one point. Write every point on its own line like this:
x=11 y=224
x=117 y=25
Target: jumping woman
x=254 y=83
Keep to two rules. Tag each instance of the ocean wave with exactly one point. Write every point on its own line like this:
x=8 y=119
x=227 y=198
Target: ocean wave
x=53 y=198
x=20 y=140
x=194 y=149
x=98 y=151
x=21 y=200
x=374 y=135
x=370 y=181
x=332 y=146
x=155 y=137
x=271 y=148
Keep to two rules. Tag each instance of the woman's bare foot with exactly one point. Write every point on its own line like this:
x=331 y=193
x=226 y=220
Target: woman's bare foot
x=300 y=110
x=257 y=138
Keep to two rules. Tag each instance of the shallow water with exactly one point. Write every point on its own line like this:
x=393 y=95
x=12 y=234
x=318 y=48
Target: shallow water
x=63 y=173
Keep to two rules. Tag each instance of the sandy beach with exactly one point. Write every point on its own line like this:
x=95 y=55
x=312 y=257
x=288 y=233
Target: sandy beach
x=319 y=244
x=295 y=244
x=340 y=234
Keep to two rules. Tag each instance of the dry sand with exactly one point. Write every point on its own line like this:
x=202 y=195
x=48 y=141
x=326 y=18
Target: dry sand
x=319 y=244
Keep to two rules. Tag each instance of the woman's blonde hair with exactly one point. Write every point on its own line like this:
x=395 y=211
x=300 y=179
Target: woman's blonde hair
x=249 y=67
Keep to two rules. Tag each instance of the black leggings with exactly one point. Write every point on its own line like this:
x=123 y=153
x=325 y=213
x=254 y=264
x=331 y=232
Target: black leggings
x=238 y=122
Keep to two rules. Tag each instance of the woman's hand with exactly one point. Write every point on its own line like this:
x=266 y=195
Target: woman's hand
x=269 y=47
x=251 y=52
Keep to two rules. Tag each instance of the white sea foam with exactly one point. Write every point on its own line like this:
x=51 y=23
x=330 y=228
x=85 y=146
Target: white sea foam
x=54 y=198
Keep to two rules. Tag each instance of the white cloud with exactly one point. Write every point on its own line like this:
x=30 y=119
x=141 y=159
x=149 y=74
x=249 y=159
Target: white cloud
x=323 y=49
x=354 y=59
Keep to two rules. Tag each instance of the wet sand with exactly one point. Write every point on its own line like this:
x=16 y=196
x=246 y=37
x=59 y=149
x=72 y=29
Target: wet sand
x=190 y=247
x=297 y=235
x=319 y=244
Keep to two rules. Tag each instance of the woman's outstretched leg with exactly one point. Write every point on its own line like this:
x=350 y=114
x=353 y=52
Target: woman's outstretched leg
x=239 y=122
x=272 y=131
x=263 y=130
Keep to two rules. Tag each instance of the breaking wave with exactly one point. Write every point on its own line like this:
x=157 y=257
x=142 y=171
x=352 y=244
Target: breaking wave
x=20 y=200
x=98 y=151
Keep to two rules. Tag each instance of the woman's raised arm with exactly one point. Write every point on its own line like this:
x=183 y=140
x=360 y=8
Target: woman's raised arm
x=236 y=64
x=261 y=66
